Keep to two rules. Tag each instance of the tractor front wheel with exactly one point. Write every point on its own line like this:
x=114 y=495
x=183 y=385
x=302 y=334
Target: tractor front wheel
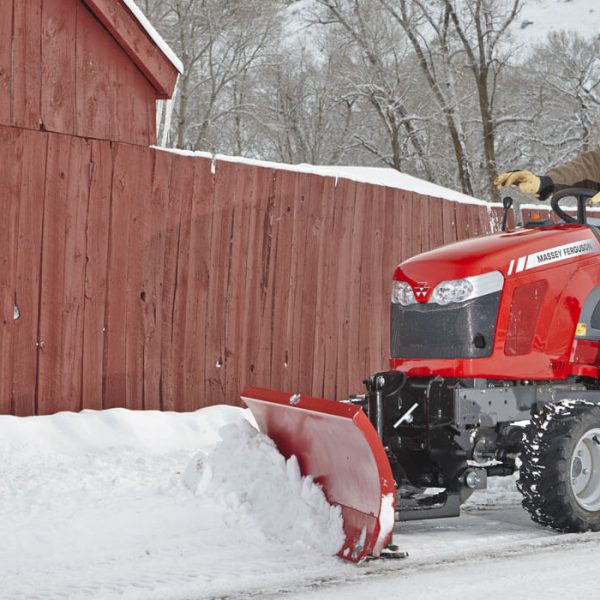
x=560 y=467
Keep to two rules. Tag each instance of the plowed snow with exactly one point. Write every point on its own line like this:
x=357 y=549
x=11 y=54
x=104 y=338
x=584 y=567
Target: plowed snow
x=94 y=505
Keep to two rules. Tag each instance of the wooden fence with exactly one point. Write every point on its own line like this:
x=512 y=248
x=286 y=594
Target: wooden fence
x=139 y=278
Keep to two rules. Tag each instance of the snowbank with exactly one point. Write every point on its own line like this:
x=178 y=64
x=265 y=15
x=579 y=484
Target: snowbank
x=93 y=505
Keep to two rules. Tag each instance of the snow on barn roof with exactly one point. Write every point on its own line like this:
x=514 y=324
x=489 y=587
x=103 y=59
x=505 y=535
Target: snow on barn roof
x=156 y=37
x=142 y=43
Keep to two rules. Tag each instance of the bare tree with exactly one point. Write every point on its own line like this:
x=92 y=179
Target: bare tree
x=428 y=30
x=482 y=26
x=381 y=76
x=218 y=42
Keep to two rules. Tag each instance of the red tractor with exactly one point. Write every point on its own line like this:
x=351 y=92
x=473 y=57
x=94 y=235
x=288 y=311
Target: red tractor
x=495 y=357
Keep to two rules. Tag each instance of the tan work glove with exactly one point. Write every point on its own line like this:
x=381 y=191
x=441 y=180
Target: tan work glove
x=526 y=182
x=596 y=199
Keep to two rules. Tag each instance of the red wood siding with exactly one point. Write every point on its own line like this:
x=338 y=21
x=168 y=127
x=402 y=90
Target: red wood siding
x=69 y=75
x=145 y=280
x=141 y=49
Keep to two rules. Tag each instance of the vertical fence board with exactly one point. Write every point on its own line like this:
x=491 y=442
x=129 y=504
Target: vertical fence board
x=278 y=283
x=27 y=291
x=154 y=236
x=484 y=215
x=327 y=318
x=220 y=254
x=138 y=191
x=345 y=290
x=366 y=262
x=260 y=246
x=394 y=203
x=354 y=357
x=115 y=348
x=475 y=223
x=26 y=85
x=6 y=76
x=198 y=281
x=376 y=320
x=449 y=221
x=406 y=229
x=299 y=293
x=174 y=351
x=392 y=249
x=309 y=255
x=463 y=227
x=12 y=145
x=94 y=329
x=58 y=66
x=63 y=274
x=419 y=236
x=244 y=177
x=435 y=222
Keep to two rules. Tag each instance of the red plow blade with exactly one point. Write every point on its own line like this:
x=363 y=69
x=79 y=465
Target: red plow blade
x=336 y=444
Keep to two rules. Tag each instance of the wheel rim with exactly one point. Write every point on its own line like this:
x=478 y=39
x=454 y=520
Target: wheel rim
x=585 y=470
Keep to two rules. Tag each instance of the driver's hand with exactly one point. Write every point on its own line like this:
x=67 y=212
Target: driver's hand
x=526 y=181
x=596 y=199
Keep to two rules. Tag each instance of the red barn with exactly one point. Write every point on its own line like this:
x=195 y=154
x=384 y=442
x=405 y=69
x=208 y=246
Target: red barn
x=91 y=68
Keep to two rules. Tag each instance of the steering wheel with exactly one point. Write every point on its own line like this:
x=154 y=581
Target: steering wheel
x=581 y=194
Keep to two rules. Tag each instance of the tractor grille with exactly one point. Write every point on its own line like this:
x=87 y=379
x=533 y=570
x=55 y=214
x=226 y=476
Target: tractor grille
x=463 y=330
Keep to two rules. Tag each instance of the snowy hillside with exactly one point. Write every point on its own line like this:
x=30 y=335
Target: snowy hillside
x=109 y=505
x=539 y=17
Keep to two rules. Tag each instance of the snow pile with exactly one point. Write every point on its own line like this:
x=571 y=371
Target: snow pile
x=247 y=474
x=92 y=505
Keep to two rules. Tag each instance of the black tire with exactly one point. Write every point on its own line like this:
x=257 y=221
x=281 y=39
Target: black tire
x=551 y=493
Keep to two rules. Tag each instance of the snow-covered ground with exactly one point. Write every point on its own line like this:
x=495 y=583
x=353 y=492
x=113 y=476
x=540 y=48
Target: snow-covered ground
x=134 y=505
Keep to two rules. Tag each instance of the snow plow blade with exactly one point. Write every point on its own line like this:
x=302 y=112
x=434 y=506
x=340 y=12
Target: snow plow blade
x=336 y=444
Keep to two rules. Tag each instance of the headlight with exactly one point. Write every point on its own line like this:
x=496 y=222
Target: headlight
x=402 y=293
x=452 y=291
x=459 y=290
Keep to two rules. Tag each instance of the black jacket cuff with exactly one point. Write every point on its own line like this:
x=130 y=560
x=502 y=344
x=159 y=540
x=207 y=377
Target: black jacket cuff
x=546 y=187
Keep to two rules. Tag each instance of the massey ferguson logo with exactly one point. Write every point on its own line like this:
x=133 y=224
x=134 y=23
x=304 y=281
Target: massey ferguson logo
x=421 y=289
x=550 y=255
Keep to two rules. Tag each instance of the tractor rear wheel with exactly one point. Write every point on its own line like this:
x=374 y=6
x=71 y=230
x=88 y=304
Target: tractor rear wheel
x=560 y=467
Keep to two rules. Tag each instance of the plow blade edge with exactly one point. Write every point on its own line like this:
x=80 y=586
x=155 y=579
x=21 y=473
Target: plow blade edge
x=336 y=444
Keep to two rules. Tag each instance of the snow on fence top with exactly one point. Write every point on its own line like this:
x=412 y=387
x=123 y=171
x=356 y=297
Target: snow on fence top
x=373 y=175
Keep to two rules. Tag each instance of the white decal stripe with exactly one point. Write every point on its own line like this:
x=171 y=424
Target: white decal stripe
x=511 y=266
x=521 y=264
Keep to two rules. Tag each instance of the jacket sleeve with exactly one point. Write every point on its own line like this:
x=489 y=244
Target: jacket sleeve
x=583 y=171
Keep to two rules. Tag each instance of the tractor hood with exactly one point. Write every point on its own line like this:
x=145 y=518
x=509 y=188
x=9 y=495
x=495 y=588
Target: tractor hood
x=510 y=253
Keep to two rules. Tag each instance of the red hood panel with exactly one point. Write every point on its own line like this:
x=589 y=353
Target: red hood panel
x=490 y=253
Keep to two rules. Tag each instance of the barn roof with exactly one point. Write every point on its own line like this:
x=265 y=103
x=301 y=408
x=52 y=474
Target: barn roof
x=143 y=44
